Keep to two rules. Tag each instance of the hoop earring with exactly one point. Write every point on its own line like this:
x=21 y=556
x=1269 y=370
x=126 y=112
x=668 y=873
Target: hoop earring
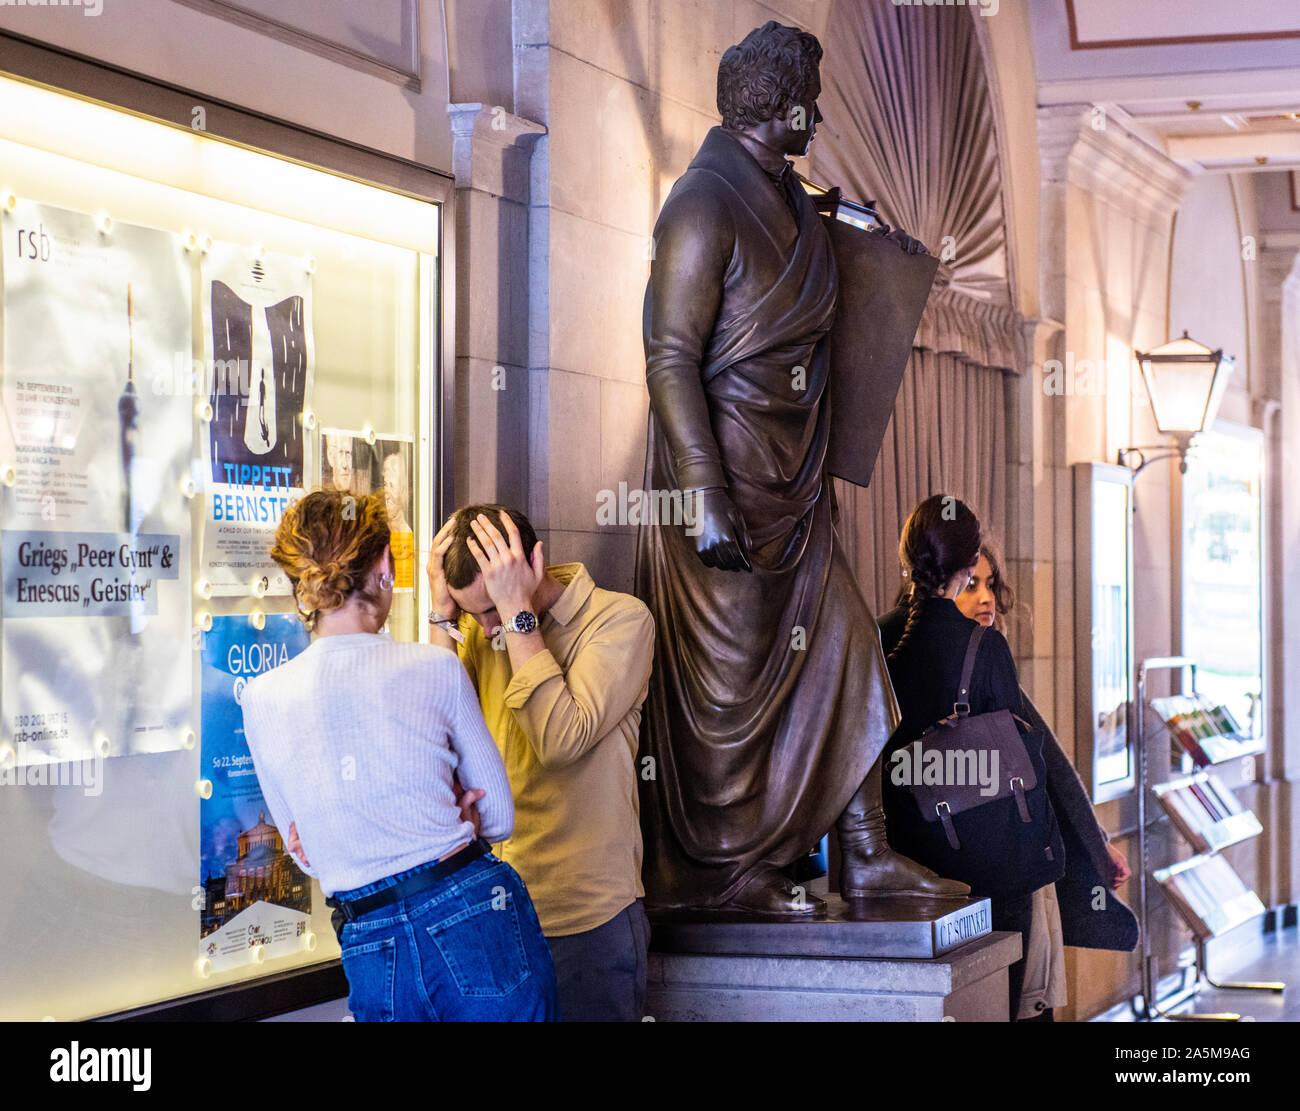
x=385 y=582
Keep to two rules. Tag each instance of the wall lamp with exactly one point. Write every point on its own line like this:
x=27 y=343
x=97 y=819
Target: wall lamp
x=1185 y=381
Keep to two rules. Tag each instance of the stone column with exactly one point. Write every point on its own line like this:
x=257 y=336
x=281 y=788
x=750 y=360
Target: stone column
x=491 y=151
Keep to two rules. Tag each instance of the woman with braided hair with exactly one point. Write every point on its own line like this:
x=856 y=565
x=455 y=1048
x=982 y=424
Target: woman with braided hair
x=939 y=550
x=953 y=580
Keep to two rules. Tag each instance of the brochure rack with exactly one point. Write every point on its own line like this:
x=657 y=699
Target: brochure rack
x=1204 y=890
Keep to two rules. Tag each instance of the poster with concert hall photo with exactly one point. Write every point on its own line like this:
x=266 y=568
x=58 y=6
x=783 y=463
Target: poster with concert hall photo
x=255 y=897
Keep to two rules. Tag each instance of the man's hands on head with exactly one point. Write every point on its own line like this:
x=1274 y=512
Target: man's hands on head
x=721 y=539
x=439 y=593
x=510 y=575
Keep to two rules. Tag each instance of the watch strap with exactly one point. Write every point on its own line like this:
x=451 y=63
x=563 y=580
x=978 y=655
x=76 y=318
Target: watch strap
x=447 y=625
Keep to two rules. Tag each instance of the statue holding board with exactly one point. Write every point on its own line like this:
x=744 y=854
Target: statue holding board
x=770 y=703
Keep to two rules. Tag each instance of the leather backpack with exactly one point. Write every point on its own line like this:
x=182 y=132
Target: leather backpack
x=973 y=803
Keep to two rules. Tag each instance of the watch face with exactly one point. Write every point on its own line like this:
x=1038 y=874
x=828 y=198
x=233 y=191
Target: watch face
x=524 y=622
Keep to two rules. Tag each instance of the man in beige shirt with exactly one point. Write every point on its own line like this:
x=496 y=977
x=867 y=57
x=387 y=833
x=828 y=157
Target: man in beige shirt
x=562 y=668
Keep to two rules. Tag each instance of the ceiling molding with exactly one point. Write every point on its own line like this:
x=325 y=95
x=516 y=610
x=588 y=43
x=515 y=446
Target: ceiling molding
x=1247 y=86
x=1169 y=40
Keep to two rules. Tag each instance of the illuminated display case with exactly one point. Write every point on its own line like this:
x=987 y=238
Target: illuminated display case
x=202 y=313
x=1103 y=614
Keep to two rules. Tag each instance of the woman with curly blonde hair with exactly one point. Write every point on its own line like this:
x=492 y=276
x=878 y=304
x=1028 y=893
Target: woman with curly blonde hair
x=361 y=746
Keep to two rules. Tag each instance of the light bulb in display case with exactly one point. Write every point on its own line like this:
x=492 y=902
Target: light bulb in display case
x=257 y=619
x=203 y=968
x=203 y=788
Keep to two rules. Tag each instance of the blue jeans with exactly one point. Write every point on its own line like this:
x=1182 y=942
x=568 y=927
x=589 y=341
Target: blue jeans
x=468 y=949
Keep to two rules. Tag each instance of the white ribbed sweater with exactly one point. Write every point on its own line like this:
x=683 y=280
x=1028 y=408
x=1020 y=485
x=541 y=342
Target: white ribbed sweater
x=355 y=740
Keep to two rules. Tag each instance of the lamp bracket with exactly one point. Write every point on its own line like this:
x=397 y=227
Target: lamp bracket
x=1157 y=452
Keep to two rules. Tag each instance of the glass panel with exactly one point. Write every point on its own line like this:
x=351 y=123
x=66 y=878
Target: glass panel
x=180 y=319
x=1110 y=647
x=1223 y=572
x=1179 y=392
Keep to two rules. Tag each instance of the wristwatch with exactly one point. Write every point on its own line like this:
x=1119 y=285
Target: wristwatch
x=522 y=622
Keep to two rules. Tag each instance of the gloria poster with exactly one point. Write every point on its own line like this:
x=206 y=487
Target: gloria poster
x=254 y=894
x=259 y=354
x=95 y=526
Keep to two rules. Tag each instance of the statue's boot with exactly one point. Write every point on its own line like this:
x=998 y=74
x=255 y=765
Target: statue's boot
x=768 y=893
x=868 y=866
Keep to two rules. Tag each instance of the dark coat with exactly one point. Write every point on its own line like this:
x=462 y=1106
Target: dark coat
x=1088 y=866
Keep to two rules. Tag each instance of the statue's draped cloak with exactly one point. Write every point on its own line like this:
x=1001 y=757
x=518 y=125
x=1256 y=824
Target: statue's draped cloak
x=770 y=699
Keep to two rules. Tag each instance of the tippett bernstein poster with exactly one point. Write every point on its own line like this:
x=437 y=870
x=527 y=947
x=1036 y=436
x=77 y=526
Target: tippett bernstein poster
x=96 y=526
x=254 y=894
x=259 y=354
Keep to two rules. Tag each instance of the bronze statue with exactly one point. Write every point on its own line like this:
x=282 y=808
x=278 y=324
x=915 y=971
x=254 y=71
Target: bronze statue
x=770 y=702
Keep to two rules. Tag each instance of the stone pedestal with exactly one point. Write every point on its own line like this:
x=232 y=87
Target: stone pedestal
x=835 y=970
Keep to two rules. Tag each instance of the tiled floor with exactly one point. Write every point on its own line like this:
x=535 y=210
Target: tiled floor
x=1253 y=956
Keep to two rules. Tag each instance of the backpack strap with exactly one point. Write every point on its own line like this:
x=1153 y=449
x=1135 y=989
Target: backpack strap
x=962 y=706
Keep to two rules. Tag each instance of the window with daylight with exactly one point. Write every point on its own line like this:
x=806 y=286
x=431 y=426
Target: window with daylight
x=1223 y=574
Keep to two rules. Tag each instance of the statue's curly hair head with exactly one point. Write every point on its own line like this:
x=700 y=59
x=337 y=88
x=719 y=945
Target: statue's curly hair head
x=772 y=69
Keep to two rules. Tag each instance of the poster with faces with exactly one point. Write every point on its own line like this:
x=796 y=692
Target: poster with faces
x=259 y=356
x=358 y=463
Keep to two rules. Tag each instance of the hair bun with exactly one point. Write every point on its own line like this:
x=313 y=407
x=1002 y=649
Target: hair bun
x=327 y=543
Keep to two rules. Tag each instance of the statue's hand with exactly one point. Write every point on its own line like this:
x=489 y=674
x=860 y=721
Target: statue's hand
x=718 y=530
x=907 y=243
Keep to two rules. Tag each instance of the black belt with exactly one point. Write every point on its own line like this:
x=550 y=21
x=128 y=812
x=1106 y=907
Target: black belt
x=352 y=909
